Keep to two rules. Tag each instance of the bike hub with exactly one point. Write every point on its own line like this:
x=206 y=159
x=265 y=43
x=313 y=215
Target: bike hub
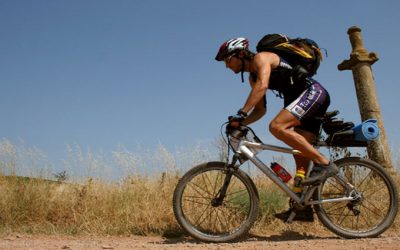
x=216 y=202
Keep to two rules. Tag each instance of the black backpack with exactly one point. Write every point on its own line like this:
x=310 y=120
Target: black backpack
x=299 y=51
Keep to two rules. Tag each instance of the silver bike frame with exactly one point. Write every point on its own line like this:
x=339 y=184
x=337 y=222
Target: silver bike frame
x=245 y=149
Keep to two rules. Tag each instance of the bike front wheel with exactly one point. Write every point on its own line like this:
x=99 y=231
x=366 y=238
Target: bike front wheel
x=373 y=207
x=198 y=207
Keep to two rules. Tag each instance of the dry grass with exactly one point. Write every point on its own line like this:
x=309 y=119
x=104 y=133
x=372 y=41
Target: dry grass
x=138 y=204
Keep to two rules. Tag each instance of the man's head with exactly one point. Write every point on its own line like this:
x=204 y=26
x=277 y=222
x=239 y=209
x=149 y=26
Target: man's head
x=234 y=52
x=231 y=48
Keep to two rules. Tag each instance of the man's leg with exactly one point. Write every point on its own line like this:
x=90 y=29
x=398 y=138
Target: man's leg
x=302 y=162
x=282 y=128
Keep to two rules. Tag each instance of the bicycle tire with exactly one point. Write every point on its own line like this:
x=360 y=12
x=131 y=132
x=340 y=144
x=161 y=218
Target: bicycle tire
x=199 y=186
x=376 y=209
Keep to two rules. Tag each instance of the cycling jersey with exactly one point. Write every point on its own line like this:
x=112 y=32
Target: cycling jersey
x=280 y=80
x=305 y=99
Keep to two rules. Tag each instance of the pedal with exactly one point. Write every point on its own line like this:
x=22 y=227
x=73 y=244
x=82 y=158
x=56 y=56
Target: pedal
x=291 y=217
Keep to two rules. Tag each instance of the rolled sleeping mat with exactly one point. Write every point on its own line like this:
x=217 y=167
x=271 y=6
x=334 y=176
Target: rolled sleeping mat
x=366 y=131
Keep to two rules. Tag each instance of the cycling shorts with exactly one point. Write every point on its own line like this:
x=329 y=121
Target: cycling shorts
x=312 y=102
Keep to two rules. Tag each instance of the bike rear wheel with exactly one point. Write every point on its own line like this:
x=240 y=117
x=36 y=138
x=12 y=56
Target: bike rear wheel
x=376 y=204
x=197 y=211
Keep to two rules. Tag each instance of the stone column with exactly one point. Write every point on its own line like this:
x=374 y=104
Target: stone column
x=360 y=63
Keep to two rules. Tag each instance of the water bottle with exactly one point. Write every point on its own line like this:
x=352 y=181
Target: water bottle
x=281 y=172
x=297 y=181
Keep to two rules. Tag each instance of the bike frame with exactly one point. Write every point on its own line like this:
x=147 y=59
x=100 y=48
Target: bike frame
x=245 y=148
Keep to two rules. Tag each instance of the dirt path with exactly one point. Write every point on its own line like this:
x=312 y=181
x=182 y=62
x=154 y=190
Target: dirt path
x=284 y=241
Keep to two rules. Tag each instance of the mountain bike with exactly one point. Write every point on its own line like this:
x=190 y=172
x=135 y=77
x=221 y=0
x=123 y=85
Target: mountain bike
x=218 y=202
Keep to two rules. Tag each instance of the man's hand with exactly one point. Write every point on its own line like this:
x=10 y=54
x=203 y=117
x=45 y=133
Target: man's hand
x=236 y=120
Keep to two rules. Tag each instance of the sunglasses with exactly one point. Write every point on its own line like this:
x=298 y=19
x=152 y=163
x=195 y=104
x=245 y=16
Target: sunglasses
x=228 y=59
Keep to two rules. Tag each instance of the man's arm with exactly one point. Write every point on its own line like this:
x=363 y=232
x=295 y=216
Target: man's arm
x=259 y=111
x=263 y=65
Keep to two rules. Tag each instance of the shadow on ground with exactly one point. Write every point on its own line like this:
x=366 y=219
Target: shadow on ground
x=287 y=235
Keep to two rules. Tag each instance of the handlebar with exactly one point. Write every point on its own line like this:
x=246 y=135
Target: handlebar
x=236 y=132
x=240 y=132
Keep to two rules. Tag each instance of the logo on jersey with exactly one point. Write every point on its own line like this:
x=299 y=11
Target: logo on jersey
x=299 y=111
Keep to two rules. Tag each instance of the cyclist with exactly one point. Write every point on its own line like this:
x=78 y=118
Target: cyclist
x=295 y=124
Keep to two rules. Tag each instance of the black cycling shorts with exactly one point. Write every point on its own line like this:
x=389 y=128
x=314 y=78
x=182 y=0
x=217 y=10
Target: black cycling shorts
x=313 y=102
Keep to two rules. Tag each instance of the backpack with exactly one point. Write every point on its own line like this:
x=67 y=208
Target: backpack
x=299 y=51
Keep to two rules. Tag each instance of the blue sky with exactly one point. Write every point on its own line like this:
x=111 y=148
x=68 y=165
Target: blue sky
x=104 y=73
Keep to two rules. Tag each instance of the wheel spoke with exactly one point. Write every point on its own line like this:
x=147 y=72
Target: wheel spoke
x=199 y=210
x=193 y=185
x=344 y=216
x=366 y=176
x=348 y=174
x=375 y=202
x=375 y=190
x=332 y=184
x=223 y=224
x=196 y=223
x=216 y=182
x=375 y=210
x=358 y=221
x=232 y=184
x=196 y=197
x=235 y=214
x=205 y=178
x=195 y=201
x=231 y=194
x=335 y=209
x=366 y=220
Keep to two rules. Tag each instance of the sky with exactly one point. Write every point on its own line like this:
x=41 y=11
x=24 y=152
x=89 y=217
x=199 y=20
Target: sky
x=100 y=74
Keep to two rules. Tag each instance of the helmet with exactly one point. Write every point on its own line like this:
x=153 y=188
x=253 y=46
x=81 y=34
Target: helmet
x=231 y=47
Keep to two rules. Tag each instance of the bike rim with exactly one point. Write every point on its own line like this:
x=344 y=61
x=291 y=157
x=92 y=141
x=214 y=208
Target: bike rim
x=369 y=210
x=199 y=208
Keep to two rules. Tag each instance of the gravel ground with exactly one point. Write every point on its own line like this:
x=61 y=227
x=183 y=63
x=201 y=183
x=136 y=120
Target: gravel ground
x=285 y=241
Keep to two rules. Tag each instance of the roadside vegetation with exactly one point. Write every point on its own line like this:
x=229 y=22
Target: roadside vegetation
x=138 y=204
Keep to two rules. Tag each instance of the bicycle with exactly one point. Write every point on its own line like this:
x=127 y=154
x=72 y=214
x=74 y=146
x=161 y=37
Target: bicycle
x=218 y=202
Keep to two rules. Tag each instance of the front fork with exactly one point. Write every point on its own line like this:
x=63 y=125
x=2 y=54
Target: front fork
x=220 y=196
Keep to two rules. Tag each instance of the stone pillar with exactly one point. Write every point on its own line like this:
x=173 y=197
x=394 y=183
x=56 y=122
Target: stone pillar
x=360 y=63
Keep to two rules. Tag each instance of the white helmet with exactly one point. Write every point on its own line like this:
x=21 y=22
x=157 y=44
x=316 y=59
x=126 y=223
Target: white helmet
x=231 y=47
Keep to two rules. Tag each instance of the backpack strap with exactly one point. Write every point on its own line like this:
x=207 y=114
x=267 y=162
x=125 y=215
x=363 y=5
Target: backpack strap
x=242 y=69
